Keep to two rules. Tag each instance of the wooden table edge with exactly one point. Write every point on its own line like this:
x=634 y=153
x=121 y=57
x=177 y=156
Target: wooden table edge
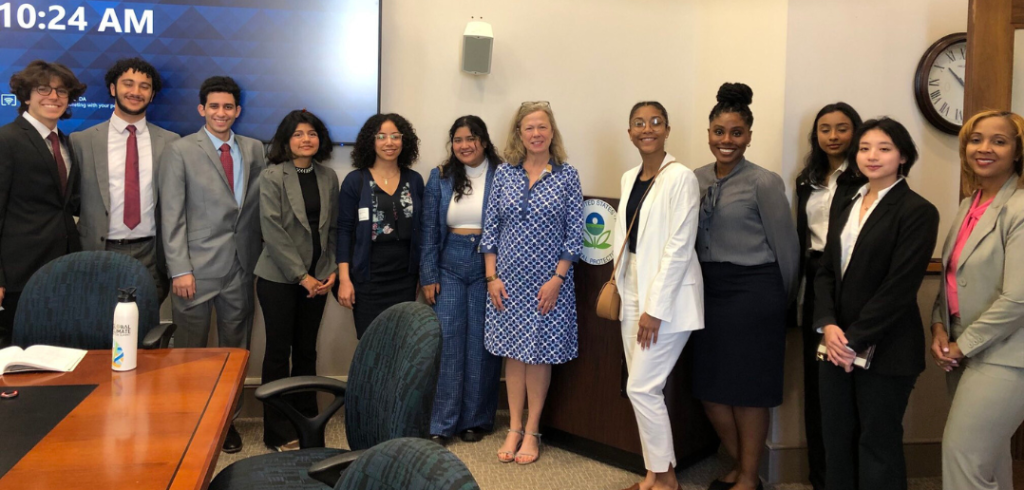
x=195 y=470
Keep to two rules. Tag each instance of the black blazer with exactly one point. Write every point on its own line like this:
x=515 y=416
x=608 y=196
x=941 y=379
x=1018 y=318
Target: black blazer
x=846 y=186
x=37 y=221
x=875 y=303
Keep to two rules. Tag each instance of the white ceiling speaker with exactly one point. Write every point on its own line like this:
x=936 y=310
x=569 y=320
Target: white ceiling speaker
x=477 y=44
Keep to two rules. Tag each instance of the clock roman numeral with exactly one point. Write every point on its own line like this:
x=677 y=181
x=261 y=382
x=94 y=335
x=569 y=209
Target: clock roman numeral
x=963 y=55
x=950 y=55
x=944 y=109
x=936 y=95
x=938 y=67
x=934 y=82
x=959 y=116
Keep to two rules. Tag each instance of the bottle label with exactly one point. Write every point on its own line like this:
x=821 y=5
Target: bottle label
x=123 y=329
x=118 y=355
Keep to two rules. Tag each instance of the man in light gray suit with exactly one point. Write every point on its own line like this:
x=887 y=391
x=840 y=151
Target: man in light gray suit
x=209 y=204
x=119 y=163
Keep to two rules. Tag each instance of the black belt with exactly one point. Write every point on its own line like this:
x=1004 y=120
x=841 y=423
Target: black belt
x=130 y=241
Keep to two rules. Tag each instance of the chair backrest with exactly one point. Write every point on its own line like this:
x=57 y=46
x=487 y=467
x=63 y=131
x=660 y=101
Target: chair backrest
x=407 y=464
x=70 y=301
x=393 y=377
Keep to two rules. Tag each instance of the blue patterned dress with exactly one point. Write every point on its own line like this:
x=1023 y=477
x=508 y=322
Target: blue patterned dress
x=531 y=230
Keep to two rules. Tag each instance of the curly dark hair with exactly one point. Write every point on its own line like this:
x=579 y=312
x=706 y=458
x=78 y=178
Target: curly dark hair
x=139 y=65
x=817 y=167
x=364 y=151
x=734 y=97
x=39 y=73
x=280 y=147
x=453 y=167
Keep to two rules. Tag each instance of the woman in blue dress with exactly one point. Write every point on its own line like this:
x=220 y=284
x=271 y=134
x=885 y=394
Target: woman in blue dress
x=532 y=235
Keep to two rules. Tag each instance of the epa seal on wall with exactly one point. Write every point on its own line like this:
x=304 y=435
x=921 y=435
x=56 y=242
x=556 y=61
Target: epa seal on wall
x=599 y=221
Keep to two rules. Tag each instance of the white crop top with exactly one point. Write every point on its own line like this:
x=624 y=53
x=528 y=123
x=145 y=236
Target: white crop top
x=468 y=212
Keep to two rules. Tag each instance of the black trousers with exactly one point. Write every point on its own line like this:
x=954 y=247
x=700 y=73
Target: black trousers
x=10 y=304
x=862 y=418
x=292 y=322
x=812 y=405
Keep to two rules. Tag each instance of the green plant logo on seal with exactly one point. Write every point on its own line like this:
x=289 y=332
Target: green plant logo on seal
x=599 y=221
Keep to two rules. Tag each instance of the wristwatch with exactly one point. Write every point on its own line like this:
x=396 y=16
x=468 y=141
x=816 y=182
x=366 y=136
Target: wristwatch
x=563 y=278
x=491 y=278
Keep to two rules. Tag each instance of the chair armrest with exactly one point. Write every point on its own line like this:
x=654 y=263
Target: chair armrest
x=329 y=470
x=311 y=430
x=159 y=337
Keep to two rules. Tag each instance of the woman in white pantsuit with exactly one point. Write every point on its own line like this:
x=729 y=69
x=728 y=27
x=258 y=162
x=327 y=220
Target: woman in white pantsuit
x=659 y=280
x=978 y=330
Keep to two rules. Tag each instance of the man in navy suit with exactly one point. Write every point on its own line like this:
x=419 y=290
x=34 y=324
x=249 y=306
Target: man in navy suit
x=38 y=182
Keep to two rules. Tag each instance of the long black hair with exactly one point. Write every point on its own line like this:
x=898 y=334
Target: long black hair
x=817 y=167
x=456 y=169
x=280 y=146
x=734 y=97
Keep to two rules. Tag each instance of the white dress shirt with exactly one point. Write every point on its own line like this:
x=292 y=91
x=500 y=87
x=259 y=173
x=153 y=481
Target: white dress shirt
x=853 y=225
x=44 y=132
x=117 y=148
x=818 y=205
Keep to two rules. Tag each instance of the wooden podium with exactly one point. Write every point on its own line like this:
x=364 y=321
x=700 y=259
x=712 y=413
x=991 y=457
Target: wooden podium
x=587 y=411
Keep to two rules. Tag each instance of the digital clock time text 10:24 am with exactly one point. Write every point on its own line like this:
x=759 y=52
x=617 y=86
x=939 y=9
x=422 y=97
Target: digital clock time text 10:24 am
x=55 y=18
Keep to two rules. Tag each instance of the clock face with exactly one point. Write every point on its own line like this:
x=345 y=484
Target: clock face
x=946 y=83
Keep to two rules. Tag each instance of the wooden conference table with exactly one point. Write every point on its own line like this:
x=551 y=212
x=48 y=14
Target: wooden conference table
x=159 y=426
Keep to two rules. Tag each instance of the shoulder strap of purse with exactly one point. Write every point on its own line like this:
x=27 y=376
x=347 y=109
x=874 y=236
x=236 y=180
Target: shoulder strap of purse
x=636 y=213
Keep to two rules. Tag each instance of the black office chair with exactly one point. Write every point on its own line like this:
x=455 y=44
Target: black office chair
x=70 y=302
x=389 y=395
x=407 y=464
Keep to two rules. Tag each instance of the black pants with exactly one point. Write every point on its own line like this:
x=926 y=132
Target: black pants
x=390 y=283
x=292 y=322
x=862 y=418
x=812 y=405
x=10 y=304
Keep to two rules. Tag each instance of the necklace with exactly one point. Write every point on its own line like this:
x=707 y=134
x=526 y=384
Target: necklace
x=306 y=170
x=387 y=177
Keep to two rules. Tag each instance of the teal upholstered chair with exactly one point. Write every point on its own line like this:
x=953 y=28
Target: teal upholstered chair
x=407 y=464
x=389 y=395
x=70 y=302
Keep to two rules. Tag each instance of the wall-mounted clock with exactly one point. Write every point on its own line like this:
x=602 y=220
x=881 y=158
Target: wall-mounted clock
x=939 y=82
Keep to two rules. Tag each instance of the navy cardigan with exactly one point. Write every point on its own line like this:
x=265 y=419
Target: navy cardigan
x=354 y=241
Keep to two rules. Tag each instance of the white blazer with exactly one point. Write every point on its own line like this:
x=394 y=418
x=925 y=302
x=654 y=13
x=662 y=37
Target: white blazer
x=668 y=273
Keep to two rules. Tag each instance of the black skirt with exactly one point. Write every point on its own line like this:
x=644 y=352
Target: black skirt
x=390 y=283
x=739 y=355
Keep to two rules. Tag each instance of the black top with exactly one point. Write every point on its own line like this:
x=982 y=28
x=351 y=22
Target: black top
x=311 y=197
x=633 y=206
x=393 y=213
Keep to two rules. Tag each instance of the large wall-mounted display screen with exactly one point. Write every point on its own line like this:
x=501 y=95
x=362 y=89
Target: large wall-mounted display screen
x=320 y=55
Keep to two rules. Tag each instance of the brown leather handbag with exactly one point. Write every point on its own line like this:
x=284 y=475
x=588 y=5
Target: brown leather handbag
x=608 y=300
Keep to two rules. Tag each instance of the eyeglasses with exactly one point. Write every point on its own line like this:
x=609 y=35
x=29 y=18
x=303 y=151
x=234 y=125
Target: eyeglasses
x=536 y=102
x=393 y=136
x=45 y=90
x=656 y=123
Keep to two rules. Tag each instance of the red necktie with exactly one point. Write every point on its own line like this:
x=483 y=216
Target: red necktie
x=228 y=164
x=62 y=169
x=132 y=214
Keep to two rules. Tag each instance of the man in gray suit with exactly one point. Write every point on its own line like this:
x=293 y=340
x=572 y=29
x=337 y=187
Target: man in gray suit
x=119 y=163
x=209 y=204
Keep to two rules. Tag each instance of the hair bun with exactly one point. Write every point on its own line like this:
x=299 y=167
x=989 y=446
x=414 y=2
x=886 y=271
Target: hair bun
x=735 y=94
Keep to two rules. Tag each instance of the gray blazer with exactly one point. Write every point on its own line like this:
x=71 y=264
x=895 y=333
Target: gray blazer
x=287 y=238
x=990 y=291
x=203 y=228
x=91 y=149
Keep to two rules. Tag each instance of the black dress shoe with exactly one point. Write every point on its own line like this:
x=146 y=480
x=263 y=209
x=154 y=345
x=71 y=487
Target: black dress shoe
x=233 y=441
x=472 y=435
x=442 y=440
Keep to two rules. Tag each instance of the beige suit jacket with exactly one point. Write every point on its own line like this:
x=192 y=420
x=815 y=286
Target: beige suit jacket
x=989 y=283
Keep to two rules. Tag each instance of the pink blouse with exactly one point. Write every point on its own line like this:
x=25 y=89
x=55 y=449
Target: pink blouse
x=973 y=216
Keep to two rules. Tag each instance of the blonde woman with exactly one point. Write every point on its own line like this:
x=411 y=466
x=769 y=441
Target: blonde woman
x=978 y=330
x=531 y=238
